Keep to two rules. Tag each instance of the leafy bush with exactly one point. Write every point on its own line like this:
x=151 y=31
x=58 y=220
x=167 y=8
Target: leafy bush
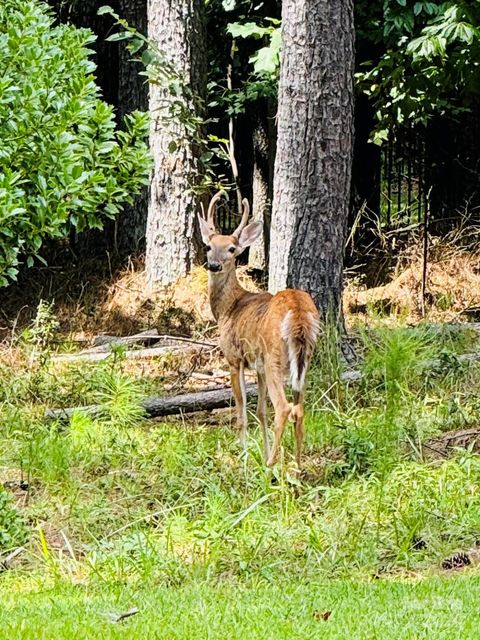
x=63 y=164
x=430 y=59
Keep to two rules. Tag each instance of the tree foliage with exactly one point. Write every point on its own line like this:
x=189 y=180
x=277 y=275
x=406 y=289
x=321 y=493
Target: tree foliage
x=63 y=162
x=429 y=60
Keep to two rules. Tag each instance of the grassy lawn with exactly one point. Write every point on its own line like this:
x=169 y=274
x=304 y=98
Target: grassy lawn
x=440 y=608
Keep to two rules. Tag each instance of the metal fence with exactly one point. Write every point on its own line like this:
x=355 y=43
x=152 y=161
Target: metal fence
x=403 y=185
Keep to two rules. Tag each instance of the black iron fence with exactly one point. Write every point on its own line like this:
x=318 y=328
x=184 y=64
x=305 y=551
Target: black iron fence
x=403 y=183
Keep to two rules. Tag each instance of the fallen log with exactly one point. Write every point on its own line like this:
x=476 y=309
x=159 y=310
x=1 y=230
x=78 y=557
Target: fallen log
x=143 y=337
x=156 y=407
x=7 y=561
x=104 y=342
x=208 y=399
x=152 y=352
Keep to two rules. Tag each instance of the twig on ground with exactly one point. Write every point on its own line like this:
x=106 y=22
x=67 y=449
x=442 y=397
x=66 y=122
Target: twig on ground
x=7 y=561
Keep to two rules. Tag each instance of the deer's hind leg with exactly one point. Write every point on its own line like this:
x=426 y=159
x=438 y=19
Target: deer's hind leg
x=283 y=408
x=262 y=412
x=237 y=380
x=297 y=413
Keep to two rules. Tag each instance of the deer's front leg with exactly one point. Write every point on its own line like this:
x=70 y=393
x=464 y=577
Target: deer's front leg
x=238 y=387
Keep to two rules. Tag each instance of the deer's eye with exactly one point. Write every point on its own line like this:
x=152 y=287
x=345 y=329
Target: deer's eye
x=208 y=248
x=231 y=249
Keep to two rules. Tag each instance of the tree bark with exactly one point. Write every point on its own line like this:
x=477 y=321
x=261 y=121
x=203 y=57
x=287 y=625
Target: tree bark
x=177 y=28
x=261 y=187
x=314 y=149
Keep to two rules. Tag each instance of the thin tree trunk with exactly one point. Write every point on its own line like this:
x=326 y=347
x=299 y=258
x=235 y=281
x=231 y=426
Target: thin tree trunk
x=177 y=28
x=261 y=187
x=314 y=149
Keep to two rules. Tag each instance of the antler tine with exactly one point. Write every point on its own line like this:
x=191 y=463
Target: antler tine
x=244 y=220
x=212 y=208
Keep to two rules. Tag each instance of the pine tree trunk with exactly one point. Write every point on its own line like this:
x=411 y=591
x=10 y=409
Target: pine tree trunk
x=132 y=95
x=314 y=149
x=177 y=28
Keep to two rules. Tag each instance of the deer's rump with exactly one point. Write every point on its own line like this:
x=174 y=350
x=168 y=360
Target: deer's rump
x=252 y=329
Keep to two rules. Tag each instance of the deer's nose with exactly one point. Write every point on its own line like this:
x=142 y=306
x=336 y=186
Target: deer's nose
x=214 y=266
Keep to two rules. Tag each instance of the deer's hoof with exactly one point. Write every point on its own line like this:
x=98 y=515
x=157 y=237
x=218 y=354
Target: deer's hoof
x=272 y=460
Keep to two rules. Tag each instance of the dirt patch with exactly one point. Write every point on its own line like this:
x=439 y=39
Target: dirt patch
x=452 y=288
x=94 y=297
x=445 y=445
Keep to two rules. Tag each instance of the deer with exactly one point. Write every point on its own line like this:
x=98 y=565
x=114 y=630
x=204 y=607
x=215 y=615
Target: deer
x=273 y=334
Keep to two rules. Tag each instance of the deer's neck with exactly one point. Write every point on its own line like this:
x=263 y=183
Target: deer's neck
x=224 y=292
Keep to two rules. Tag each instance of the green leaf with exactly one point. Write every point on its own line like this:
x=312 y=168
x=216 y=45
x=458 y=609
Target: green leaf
x=247 y=30
x=266 y=60
x=105 y=9
x=121 y=35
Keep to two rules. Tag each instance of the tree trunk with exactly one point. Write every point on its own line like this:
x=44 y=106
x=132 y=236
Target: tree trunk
x=314 y=149
x=177 y=28
x=262 y=186
x=132 y=95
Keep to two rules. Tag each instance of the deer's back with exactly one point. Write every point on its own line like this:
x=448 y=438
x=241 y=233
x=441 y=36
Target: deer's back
x=253 y=326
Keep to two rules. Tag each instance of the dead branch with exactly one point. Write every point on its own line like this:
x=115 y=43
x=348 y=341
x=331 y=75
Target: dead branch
x=7 y=561
x=143 y=337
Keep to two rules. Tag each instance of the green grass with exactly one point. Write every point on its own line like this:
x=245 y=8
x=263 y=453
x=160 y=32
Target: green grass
x=430 y=608
x=169 y=516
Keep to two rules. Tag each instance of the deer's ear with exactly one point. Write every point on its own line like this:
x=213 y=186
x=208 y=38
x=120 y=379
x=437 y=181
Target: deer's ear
x=205 y=230
x=248 y=236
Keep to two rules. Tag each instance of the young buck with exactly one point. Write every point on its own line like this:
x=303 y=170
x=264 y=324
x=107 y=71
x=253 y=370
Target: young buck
x=274 y=334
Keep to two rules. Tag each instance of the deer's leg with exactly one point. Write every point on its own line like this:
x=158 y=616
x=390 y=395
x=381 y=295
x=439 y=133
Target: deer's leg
x=297 y=412
x=238 y=387
x=282 y=408
x=262 y=412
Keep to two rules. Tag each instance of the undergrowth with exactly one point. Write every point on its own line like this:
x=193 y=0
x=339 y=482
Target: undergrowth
x=113 y=497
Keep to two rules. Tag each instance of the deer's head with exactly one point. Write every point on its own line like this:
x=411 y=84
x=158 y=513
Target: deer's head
x=222 y=250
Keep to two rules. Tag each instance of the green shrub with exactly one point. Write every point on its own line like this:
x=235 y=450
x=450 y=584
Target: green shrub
x=63 y=163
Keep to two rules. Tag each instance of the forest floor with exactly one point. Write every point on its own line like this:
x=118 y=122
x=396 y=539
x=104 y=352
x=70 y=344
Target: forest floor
x=379 y=537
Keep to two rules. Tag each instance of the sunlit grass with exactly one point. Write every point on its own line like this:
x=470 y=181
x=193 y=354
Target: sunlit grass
x=440 y=609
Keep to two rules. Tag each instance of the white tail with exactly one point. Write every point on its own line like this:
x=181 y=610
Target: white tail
x=300 y=340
